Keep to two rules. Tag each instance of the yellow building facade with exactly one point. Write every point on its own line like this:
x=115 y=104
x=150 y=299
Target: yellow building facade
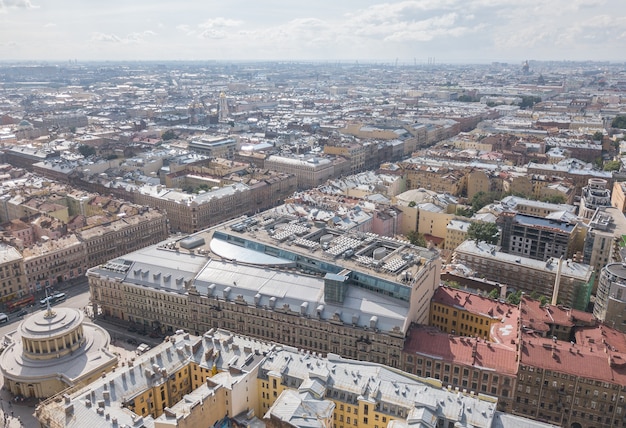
x=465 y=314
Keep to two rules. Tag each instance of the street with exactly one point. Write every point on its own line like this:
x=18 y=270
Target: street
x=77 y=297
x=123 y=344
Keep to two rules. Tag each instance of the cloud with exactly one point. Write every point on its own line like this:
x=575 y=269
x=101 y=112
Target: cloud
x=220 y=23
x=132 y=38
x=414 y=21
x=214 y=28
x=16 y=4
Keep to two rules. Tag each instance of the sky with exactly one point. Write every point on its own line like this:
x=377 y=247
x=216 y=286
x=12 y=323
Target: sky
x=407 y=32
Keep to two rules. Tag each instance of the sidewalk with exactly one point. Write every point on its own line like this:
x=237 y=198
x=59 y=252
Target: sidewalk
x=18 y=414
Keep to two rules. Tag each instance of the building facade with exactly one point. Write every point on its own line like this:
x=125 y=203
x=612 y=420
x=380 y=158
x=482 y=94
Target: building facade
x=528 y=275
x=594 y=195
x=353 y=293
x=13 y=278
x=610 y=304
x=231 y=379
x=537 y=237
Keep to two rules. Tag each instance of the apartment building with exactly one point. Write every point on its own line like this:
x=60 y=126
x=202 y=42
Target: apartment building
x=466 y=314
x=618 y=195
x=310 y=172
x=535 y=208
x=425 y=211
x=518 y=272
x=12 y=273
x=354 y=152
x=594 y=195
x=456 y=233
x=191 y=213
x=218 y=147
x=479 y=180
x=54 y=261
x=277 y=278
x=438 y=179
x=538 y=238
x=605 y=237
x=465 y=364
x=610 y=304
x=125 y=234
x=578 y=384
x=580 y=176
x=223 y=378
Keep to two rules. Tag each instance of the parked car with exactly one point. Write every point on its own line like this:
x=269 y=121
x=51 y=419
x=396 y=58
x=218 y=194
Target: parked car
x=142 y=348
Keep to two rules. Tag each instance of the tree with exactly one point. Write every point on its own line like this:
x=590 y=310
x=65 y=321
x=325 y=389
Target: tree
x=416 y=238
x=494 y=294
x=619 y=122
x=465 y=98
x=612 y=165
x=529 y=101
x=554 y=199
x=464 y=212
x=86 y=150
x=452 y=284
x=481 y=199
x=597 y=136
x=168 y=135
x=514 y=298
x=486 y=232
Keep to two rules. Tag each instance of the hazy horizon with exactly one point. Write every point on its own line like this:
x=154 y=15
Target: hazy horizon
x=409 y=32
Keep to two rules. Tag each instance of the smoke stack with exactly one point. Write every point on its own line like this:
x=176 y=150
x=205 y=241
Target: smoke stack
x=557 y=281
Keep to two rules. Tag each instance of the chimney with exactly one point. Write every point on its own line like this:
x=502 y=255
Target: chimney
x=557 y=282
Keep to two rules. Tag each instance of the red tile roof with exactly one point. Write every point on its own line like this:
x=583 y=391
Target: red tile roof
x=573 y=359
x=538 y=318
x=429 y=341
x=472 y=302
x=602 y=337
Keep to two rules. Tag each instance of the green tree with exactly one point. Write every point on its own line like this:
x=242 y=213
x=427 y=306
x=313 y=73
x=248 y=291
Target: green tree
x=86 y=150
x=452 y=284
x=514 y=298
x=486 y=232
x=619 y=122
x=612 y=165
x=168 y=135
x=529 y=101
x=597 y=136
x=465 y=98
x=554 y=199
x=416 y=238
x=412 y=204
x=481 y=199
x=494 y=294
x=464 y=212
